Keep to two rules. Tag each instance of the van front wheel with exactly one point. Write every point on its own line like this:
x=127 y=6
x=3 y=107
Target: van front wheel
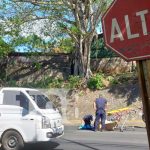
x=12 y=140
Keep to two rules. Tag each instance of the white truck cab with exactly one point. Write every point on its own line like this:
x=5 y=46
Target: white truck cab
x=27 y=115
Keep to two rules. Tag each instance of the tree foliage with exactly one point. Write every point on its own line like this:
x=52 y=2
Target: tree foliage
x=76 y=18
x=99 y=50
x=27 y=27
x=66 y=45
x=4 y=48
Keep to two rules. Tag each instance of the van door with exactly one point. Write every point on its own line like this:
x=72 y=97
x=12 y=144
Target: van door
x=23 y=119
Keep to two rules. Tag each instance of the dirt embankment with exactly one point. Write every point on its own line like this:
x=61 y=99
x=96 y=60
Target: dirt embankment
x=118 y=96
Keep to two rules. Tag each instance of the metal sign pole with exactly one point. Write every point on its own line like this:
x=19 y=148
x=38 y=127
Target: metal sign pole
x=143 y=67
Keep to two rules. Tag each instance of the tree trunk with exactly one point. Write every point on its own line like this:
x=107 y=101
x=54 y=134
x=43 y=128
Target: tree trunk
x=77 y=65
x=81 y=59
x=87 y=58
x=3 y=66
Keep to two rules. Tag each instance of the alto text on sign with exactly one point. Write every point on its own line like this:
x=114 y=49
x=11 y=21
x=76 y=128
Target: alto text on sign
x=127 y=28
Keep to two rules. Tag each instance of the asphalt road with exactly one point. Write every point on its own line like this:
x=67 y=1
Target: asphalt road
x=74 y=139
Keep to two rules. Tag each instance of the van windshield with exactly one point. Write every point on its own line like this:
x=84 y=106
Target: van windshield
x=41 y=100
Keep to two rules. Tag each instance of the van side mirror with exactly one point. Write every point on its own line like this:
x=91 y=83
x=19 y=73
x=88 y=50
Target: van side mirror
x=1 y=98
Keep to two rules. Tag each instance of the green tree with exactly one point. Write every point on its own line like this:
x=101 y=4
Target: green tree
x=76 y=18
x=66 y=45
x=4 y=48
x=25 y=24
x=99 y=50
x=81 y=25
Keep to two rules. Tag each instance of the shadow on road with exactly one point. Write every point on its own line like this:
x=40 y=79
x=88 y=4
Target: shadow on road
x=81 y=144
x=41 y=146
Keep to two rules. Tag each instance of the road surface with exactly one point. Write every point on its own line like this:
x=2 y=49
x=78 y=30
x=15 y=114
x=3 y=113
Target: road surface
x=74 y=139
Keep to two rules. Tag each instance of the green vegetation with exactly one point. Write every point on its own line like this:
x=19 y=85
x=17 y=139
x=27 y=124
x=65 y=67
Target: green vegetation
x=99 y=50
x=66 y=45
x=4 y=48
x=112 y=80
x=95 y=82
x=74 y=82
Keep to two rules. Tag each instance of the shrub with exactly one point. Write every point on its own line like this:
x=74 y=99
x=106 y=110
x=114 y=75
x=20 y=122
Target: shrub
x=74 y=82
x=56 y=83
x=11 y=83
x=95 y=82
x=112 y=80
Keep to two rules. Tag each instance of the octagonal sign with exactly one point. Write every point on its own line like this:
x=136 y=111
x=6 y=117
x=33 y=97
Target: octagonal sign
x=126 y=28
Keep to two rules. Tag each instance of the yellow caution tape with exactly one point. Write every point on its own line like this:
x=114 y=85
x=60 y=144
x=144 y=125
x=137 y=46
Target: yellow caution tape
x=119 y=110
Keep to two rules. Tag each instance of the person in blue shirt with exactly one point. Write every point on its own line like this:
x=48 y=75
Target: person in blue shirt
x=100 y=106
x=87 y=119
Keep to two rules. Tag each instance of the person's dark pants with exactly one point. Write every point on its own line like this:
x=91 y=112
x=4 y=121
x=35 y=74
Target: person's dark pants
x=100 y=116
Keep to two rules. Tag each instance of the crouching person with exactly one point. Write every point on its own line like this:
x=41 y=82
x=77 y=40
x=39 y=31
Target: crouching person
x=87 y=123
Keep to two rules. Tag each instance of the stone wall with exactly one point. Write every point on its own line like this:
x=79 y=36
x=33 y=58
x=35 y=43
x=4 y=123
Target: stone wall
x=34 y=68
x=112 y=65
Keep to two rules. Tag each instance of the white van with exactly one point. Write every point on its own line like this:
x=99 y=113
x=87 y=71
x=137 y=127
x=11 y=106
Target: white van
x=27 y=115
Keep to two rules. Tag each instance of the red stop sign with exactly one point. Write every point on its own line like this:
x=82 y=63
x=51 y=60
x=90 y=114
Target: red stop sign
x=126 y=28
